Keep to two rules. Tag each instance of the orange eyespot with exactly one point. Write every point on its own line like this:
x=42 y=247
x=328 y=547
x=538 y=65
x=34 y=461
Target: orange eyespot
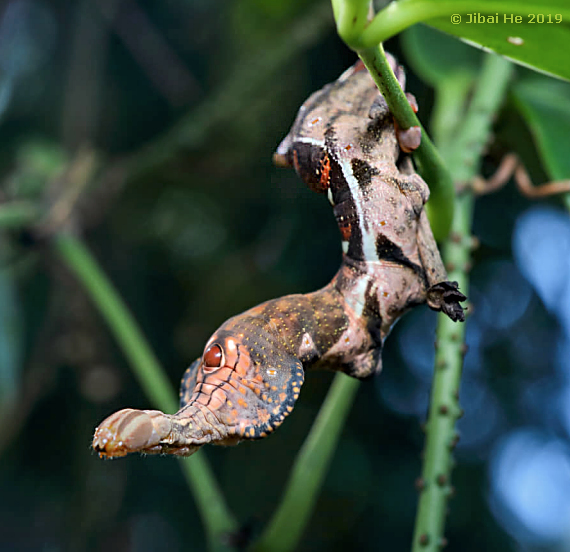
x=213 y=357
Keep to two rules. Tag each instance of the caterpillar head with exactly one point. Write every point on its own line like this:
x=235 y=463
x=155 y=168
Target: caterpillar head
x=241 y=388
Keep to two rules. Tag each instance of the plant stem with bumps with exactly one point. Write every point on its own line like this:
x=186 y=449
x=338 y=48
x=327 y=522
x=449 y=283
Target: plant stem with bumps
x=464 y=159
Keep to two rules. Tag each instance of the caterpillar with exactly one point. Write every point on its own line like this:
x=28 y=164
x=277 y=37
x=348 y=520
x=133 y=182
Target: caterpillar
x=344 y=144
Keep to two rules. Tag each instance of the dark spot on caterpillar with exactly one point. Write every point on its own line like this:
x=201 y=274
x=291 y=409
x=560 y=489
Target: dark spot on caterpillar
x=363 y=172
x=371 y=313
x=309 y=161
x=330 y=134
x=370 y=139
x=387 y=250
x=346 y=217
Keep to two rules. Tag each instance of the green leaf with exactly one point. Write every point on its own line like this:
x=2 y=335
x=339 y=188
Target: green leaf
x=538 y=39
x=541 y=44
x=38 y=162
x=545 y=106
x=451 y=68
x=435 y=56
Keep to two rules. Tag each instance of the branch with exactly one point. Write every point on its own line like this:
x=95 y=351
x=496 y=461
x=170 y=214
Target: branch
x=444 y=406
x=74 y=253
x=286 y=527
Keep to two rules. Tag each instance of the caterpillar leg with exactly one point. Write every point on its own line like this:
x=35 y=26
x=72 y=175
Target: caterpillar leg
x=442 y=295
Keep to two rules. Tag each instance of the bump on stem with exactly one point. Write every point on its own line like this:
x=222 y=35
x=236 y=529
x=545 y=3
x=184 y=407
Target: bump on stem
x=444 y=405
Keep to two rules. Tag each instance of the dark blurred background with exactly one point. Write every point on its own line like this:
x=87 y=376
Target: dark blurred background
x=183 y=103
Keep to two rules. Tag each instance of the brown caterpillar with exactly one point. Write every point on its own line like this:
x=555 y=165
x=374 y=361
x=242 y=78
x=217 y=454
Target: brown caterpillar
x=343 y=143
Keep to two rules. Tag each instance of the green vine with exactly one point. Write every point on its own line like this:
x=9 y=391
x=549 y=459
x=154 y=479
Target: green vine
x=441 y=437
x=352 y=25
x=445 y=208
x=216 y=516
x=286 y=527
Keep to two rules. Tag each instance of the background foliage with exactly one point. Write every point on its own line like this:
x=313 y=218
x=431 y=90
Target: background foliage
x=180 y=106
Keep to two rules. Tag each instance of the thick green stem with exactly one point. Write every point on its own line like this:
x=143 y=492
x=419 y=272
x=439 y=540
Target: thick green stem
x=444 y=406
x=286 y=528
x=464 y=160
x=430 y=165
x=351 y=16
x=211 y=505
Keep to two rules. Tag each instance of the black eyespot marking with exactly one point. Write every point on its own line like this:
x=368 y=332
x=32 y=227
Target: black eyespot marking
x=313 y=165
x=387 y=250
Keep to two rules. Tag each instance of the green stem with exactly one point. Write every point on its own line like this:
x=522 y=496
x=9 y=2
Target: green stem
x=464 y=159
x=444 y=405
x=430 y=165
x=213 y=510
x=449 y=109
x=351 y=17
x=286 y=528
x=444 y=409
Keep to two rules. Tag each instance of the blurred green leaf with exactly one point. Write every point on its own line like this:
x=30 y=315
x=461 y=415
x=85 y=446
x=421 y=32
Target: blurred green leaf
x=451 y=68
x=538 y=39
x=545 y=106
x=37 y=161
x=435 y=56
